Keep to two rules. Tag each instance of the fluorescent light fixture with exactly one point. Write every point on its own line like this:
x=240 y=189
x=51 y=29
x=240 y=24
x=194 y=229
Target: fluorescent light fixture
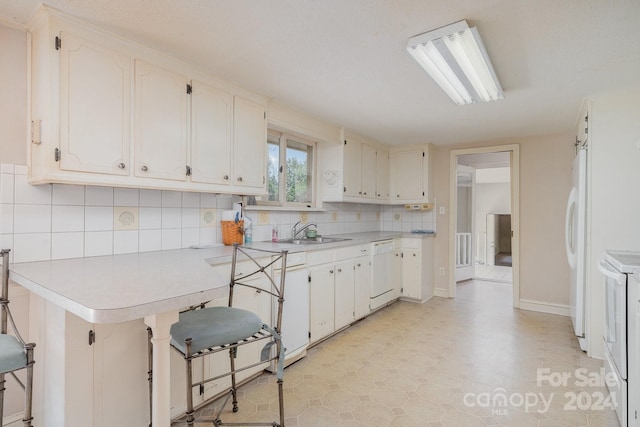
x=455 y=57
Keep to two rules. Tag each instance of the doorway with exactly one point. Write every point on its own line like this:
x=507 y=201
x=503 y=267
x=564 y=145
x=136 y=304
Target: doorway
x=494 y=226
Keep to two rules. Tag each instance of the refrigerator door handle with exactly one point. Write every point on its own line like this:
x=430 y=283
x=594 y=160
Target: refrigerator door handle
x=569 y=225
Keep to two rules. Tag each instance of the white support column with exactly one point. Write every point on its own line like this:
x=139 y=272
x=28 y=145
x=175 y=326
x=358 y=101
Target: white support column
x=160 y=324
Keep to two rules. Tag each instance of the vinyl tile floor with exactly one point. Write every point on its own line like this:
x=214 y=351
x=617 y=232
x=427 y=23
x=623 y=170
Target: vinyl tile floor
x=494 y=273
x=464 y=362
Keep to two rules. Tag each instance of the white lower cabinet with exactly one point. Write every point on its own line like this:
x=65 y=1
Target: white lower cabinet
x=98 y=362
x=362 y=286
x=340 y=289
x=321 y=302
x=344 y=294
x=417 y=268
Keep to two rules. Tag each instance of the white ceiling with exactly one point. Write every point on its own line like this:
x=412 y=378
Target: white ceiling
x=344 y=61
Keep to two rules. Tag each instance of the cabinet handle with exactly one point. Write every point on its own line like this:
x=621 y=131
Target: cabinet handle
x=397 y=195
x=339 y=270
x=330 y=271
x=144 y=168
x=121 y=165
x=359 y=265
x=239 y=179
x=226 y=177
x=359 y=192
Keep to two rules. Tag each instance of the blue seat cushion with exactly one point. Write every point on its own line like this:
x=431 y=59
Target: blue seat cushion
x=213 y=326
x=12 y=354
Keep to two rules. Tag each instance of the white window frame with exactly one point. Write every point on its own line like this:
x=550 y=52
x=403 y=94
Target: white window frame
x=282 y=167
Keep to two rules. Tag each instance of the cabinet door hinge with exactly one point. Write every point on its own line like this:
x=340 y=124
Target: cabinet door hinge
x=92 y=337
x=58 y=43
x=401 y=290
x=188 y=171
x=189 y=89
x=265 y=115
x=345 y=142
x=309 y=335
x=56 y=154
x=344 y=189
x=201 y=391
x=423 y=194
x=309 y=278
x=401 y=254
x=423 y=154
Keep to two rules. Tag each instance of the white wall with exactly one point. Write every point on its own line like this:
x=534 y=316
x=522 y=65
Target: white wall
x=490 y=198
x=614 y=198
x=13 y=101
x=545 y=182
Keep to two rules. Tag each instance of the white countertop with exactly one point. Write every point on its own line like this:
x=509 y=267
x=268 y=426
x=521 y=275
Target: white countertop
x=118 y=288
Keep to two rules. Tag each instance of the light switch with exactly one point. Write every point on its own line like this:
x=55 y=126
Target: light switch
x=442 y=210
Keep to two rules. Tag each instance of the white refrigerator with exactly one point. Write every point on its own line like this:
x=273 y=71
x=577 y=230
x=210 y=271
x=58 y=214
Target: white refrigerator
x=575 y=240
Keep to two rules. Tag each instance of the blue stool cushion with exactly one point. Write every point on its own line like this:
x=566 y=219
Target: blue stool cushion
x=12 y=354
x=213 y=326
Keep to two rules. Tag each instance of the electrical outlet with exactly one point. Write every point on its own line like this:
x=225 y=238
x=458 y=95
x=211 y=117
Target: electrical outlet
x=304 y=217
x=441 y=271
x=442 y=210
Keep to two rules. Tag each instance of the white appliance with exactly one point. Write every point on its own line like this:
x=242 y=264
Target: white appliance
x=615 y=266
x=575 y=241
x=382 y=273
x=295 y=311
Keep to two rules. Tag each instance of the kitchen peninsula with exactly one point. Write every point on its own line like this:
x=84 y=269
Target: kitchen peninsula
x=114 y=297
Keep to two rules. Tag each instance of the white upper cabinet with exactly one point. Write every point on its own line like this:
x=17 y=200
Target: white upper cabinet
x=94 y=107
x=161 y=123
x=368 y=186
x=352 y=168
x=355 y=171
x=211 y=134
x=107 y=111
x=249 y=143
x=410 y=175
x=382 y=175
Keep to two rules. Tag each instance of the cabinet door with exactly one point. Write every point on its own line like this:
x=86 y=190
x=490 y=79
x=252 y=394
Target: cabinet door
x=344 y=294
x=211 y=131
x=352 y=168
x=249 y=144
x=161 y=122
x=362 y=284
x=411 y=273
x=95 y=83
x=382 y=175
x=407 y=176
x=368 y=171
x=321 y=302
x=120 y=363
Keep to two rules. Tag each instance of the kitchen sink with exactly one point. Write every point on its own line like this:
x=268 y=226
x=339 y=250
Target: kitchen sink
x=312 y=241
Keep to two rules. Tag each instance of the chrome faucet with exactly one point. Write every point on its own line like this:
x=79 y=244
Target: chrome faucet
x=295 y=231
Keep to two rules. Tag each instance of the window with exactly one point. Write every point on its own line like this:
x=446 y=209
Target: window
x=290 y=167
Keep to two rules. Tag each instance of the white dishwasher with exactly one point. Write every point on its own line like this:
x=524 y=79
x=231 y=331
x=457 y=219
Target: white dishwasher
x=295 y=311
x=382 y=273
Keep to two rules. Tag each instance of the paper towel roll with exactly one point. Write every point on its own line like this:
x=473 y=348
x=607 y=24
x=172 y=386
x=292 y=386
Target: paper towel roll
x=228 y=215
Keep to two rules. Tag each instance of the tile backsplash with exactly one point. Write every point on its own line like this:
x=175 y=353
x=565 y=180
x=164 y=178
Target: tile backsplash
x=56 y=221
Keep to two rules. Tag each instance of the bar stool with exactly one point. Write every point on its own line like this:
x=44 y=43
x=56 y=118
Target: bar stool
x=202 y=331
x=15 y=354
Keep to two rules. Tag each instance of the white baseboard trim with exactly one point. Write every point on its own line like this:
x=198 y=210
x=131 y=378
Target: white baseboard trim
x=14 y=420
x=442 y=293
x=545 y=307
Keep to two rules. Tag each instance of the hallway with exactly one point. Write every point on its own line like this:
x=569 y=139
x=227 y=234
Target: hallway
x=445 y=363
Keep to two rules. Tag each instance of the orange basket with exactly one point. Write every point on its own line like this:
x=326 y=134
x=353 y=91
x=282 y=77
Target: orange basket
x=232 y=232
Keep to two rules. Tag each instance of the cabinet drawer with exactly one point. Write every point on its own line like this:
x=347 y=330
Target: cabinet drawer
x=411 y=243
x=319 y=257
x=362 y=250
x=344 y=253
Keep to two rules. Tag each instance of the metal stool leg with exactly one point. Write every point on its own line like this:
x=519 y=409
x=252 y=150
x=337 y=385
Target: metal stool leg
x=189 y=363
x=150 y=372
x=2 y=382
x=28 y=387
x=232 y=361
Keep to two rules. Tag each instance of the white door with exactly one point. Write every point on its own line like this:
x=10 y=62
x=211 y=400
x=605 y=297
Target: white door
x=492 y=239
x=465 y=224
x=407 y=175
x=368 y=172
x=344 y=294
x=382 y=175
